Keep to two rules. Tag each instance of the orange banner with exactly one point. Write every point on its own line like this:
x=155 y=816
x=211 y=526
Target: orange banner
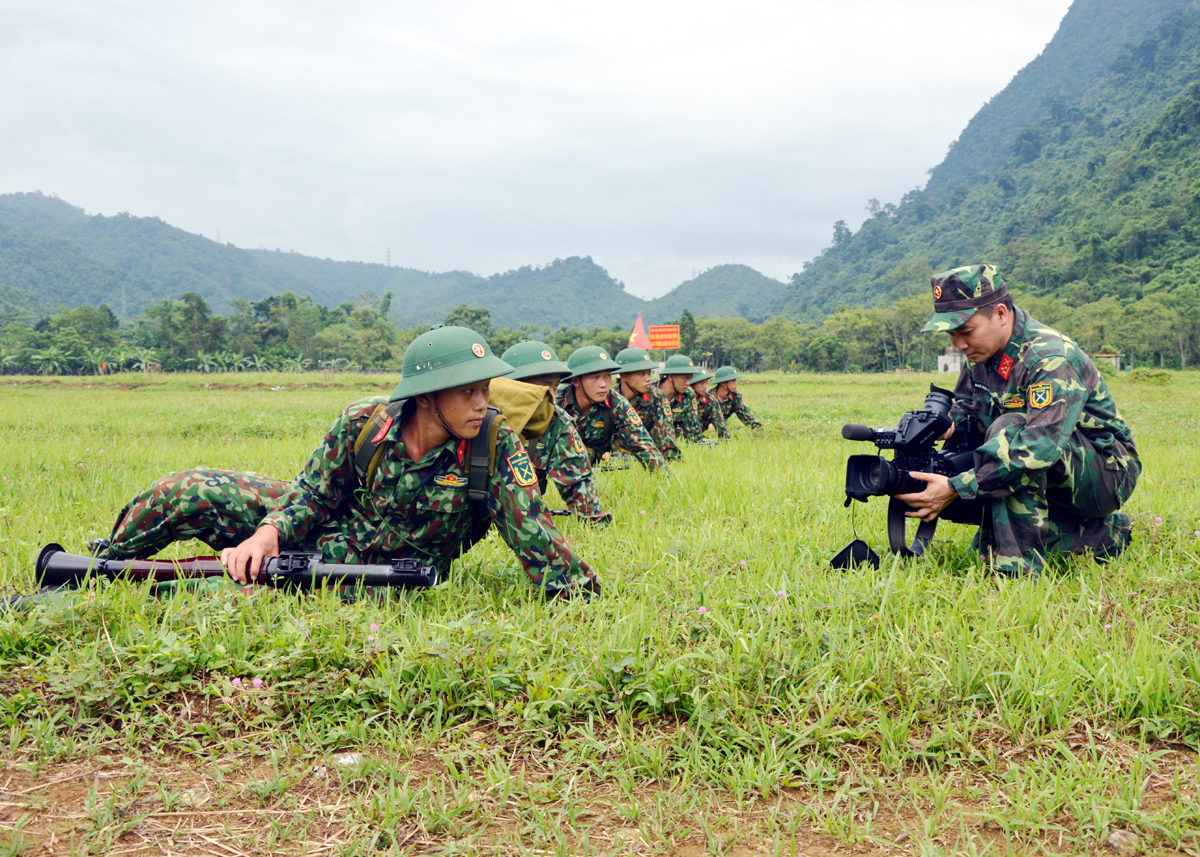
x=664 y=336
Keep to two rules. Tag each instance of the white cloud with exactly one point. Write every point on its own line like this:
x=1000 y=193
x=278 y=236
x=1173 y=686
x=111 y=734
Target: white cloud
x=656 y=137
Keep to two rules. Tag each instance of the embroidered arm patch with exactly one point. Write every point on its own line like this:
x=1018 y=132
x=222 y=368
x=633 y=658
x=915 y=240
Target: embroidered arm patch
x=1041 y=394
x=522 y=468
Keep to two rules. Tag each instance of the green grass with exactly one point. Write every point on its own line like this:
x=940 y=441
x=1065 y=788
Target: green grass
x=927 y=707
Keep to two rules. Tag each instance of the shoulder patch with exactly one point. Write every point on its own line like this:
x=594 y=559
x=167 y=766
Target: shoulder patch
x=1041 y=394
x=577 y=444
x=522 y=468
x=449 y=480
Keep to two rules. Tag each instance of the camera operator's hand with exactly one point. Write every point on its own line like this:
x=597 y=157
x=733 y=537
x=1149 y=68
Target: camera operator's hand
x=949 y=432
x=928 y=504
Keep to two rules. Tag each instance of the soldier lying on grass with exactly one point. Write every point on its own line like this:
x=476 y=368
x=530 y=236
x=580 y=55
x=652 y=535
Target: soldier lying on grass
x=559 y=455
x=410 y=501
x=602 y=416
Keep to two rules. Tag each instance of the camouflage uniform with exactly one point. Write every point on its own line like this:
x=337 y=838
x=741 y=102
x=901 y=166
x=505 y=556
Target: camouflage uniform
x=410 y=509
x=710 y=414
x=1058 y=460
x=736 y=405
x=685 y=416
x=627 y=430
x=560 y=456
x=655 y=413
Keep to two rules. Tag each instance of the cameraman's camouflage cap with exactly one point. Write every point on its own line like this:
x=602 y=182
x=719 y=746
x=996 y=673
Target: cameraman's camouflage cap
x=959 y=292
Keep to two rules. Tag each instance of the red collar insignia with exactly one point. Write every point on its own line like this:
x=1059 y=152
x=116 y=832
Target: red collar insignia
x=1005 y=367
x=645 y=397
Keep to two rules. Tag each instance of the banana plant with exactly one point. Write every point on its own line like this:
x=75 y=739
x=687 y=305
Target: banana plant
x=52 y=361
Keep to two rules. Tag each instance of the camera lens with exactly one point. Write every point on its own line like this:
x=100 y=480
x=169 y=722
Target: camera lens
x=869 y=475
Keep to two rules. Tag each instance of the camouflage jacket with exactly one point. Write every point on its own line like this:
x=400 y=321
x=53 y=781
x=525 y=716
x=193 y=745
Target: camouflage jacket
x=626 y=430
x=1045 y=375
x=561 y=455
x=685 y=415
x=735 y=404
x=420 y=508
x=655 y=413
x=708 y=407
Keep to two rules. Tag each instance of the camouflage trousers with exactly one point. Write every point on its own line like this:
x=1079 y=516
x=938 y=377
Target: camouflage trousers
x=1070 y=508
x=221 y=508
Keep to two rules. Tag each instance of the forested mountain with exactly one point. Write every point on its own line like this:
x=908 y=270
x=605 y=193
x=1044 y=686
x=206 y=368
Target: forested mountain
x=1092 y=35
x=573 y=291
x=60 y=255
x=53 y=254
x=1098 y=199
x=726 y=290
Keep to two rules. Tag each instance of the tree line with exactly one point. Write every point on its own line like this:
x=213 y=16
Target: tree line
x=289 y=333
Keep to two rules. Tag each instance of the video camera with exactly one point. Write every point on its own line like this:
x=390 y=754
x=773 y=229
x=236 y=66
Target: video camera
x=913 y=439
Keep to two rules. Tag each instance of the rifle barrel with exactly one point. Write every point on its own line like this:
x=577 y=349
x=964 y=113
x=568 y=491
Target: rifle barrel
x=56 y=567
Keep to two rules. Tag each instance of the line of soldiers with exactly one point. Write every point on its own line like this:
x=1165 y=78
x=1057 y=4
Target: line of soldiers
x=427 y=471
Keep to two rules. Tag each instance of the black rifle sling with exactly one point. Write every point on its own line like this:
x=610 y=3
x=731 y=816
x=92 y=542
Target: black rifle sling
x=479 y=456
x=896 y=534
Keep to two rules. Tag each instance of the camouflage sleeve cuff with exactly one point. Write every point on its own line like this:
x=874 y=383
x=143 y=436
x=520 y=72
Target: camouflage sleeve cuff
x=280 y=522
x=965 y=486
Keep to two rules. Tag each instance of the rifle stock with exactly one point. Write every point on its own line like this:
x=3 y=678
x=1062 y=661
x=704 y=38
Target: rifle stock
x=291 y=569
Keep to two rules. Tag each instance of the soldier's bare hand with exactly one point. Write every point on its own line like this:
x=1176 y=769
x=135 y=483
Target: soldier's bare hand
x=949 y=433
x=244 y=561
x=928 y=504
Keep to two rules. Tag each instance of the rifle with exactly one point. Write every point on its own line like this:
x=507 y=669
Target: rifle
x=289 y=570
x=616 y=461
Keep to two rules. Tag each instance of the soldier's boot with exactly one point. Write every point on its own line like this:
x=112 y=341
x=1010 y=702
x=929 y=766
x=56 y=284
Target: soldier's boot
x=1119 y=537
x=221 y=508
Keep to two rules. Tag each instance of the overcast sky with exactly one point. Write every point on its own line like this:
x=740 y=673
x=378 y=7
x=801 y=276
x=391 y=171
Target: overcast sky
x=658 y=138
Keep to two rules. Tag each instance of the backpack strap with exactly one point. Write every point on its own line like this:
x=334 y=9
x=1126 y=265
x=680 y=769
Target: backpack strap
x=369 y=447
x=481 y=457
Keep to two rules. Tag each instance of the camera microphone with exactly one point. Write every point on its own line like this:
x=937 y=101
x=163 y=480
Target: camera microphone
x=852 y=431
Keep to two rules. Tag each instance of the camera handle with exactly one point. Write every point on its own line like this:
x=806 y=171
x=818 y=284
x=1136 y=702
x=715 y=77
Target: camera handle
x=896 y=534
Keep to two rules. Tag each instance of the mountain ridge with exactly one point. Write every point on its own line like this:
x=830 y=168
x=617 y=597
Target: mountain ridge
x=55 y=254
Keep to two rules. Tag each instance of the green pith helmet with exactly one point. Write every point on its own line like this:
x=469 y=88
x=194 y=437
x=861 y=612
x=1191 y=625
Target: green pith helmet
x=679 y=364
x=701 y=375
x=589 y=359
x=634 y=360
x=726 y=373
x=533 y=358
x=446 y=357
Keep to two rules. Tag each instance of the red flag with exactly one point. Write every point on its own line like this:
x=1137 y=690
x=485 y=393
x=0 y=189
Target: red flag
x=639 y=339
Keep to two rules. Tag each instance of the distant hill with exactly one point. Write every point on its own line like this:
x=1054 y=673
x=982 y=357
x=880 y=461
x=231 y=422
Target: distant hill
x=1099 y=199
x=1092 y=35
x=726 y=290
x=54 y=254
x=60 y=255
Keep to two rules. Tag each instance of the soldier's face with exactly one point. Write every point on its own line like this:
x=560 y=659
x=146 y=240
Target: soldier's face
x=550 y=381
x=639 y=382
x=701 y=387
x=982 y=338
x=596 y=385
x=677 y=383
x=463 y=408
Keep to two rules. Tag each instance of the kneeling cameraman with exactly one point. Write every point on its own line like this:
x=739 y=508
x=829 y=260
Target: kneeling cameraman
x=1057 y=461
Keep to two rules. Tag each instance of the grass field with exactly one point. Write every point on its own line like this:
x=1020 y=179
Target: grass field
x=728 y=694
